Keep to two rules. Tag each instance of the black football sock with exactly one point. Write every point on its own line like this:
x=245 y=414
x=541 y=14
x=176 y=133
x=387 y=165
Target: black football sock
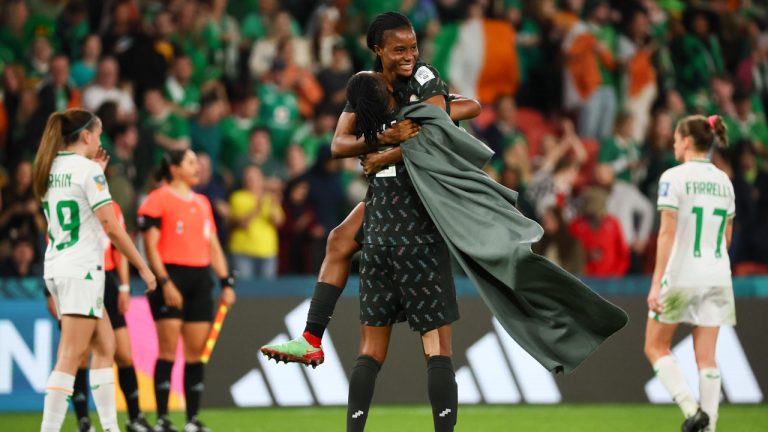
x=162 y=385
x=130 y=387
x=362 y=381
x=193 y=388
x=443 y=393
x=321 y=308
x=80 y=394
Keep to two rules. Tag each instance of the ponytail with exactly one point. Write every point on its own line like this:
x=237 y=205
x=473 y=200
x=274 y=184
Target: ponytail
x=61 y=130
x=171 y=157
x=707 y=132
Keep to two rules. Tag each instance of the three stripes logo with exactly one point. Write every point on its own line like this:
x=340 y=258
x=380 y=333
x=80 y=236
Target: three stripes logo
x=293 y=384
x=445 y=412
x=357 y=414
x=500 y=371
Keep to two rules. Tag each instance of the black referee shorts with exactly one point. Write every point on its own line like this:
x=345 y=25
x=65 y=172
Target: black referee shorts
x=110 y=300
x=196 y=287
x=412 y=283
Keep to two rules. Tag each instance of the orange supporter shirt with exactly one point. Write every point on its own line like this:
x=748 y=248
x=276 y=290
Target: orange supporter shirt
x=111 y=255
x=186 y=226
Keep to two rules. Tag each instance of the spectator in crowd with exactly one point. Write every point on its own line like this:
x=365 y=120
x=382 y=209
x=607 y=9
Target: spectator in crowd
x=56 y=92
x=72 y=27
x=326 y=196
x=214 y=190
x=21 y=215
x=256 y=214
x=503 y=132
x=25 y=124
x=621 y=151
x=84 y=70
x=316 y=133
x=750 y=184
x=179 y=88
x=104 y=88
x=295 y=162
x=752 y=72
x=160 y=130
x=558 y=244
x=22 y=261
x=635 y=52
x=333 y=80
x=122 y=172
x=635 y=213
x=236 y=128
x=658 y=155
x=746 y=124
x=589 y=63
x=205 y=127
x=279 y=109
x=265 y=50
x=13 y=35
x=600 y=235
x=221 y=34
x=299 y=230
x=260 y=155
x=39 y=59
x=324 y=37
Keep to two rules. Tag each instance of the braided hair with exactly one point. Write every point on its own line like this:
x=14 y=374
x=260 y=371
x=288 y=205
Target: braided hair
x=379 y=25
x=368 y=96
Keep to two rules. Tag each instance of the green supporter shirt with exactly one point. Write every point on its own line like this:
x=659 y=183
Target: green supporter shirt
x=753 y=129
x=607 y=35
x=695 y=64
x=280 y=113
x=306 y=138
x=235 y=136
x=186 y=98
x=171 y=125
x=619 y=154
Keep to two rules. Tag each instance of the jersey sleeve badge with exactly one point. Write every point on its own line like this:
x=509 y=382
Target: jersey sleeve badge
x=423 y=75
x=101 y=182
x=663 y=189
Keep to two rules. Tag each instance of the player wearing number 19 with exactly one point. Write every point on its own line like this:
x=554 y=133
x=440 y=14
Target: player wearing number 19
x=692 y=279
x=69 y=180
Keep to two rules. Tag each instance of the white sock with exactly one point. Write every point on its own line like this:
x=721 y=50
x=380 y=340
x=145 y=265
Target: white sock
x=103 y=390
x=709 y=388
x=58 y=392
x=671 y=376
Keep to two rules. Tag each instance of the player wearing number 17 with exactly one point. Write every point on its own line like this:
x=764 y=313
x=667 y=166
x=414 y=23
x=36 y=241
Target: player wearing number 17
x=69 y=180
x=692 y=280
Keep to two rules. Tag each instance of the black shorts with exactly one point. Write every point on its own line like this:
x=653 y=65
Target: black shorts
x=196 y=287
x=110 y=300
x=413 y=283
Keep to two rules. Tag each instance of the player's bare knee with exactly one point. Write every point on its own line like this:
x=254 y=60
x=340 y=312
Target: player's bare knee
x=341 y=243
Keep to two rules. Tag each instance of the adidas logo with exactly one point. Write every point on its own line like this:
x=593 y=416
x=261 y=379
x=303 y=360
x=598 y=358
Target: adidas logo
x=293 y=384
x=357 y=414
x=165 y=385
x=501 y=372
x=445 y=412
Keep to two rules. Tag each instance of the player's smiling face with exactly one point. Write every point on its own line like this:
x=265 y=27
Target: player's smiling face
x=399 y=52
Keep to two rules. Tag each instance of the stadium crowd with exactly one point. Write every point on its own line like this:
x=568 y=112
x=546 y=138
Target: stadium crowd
x=579 y=97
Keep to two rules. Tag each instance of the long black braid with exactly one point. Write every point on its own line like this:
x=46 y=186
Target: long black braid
x=380 y=24
x=369 y=98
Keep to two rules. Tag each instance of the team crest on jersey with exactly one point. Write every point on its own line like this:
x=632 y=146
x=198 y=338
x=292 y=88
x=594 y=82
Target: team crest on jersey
x=423 y=74
x=101 y=182
x=663 y=189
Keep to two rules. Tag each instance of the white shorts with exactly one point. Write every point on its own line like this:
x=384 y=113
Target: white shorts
x=704 y=307
x=74 y=296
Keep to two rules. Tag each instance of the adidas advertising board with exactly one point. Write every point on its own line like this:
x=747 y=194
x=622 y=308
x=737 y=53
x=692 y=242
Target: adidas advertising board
x=490 y=367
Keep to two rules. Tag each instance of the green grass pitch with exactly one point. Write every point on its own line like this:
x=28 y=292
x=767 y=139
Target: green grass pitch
x=570 y=418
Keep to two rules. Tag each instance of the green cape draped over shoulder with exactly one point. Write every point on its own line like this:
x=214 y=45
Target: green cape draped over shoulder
x=549 y=312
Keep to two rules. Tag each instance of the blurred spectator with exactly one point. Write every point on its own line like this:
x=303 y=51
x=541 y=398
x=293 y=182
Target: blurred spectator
x=222 y=36
x=298 y=78
x=326 y=196
x=621 y=151
x=750 y=184
x=635 y=52
x=260 y=155
x=697 y=58
x=265 y=50
x=295 y=162
x=39 y=59
x=72 y=28
x=256 y=23
x=333 y=80
x=316 y=133
x=589 y=62
x=104 y=88
x=256 y=216
x=14 y=34
x=214 y=190
x=279 y=109
x=600 y=235
x=205 y=127
x=25 y=124
x=558 y=244
x=748 y=125
x=236 y=129
x=503 y=133
x=84 y=70
x=21 y=216
x=752 y=72
x=56 y=92
x=299 y=230
x=122 y=172
x=658 y=155
x=635 y=213
x=179 y=88
x=161 y=129
x=721 y=96
x=21 y=263
x=324 y=37
x=538 y=47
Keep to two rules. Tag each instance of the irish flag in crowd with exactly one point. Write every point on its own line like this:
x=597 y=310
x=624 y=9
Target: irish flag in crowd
x=477 y=58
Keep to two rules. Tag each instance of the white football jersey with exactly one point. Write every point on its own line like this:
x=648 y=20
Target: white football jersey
x=704 y=200
x=76 y=188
